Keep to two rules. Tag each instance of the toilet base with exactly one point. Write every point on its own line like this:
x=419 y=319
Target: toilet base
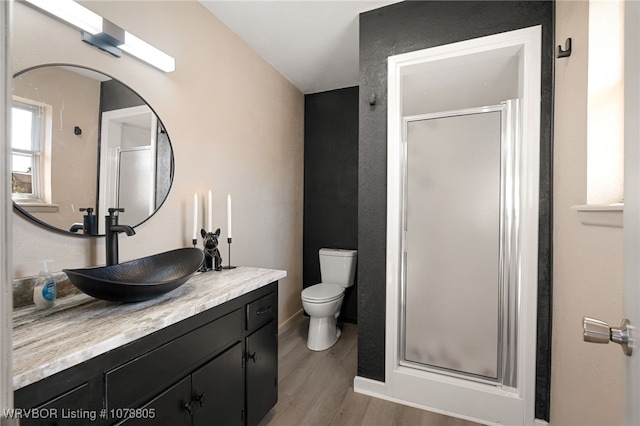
x=323 y=333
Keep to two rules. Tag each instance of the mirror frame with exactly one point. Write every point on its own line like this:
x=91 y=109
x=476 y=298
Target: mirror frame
x=75 y=234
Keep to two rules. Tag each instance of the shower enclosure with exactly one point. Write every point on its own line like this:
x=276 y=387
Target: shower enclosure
x=463 y=150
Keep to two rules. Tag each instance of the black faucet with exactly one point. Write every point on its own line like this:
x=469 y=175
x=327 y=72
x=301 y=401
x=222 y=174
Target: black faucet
x=112 y=228
x=76 y=227
x=89 y=225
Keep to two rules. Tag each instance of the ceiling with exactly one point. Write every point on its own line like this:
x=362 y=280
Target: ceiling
x=313 y=43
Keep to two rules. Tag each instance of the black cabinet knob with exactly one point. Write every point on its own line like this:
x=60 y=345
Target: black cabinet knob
x=253 y=356
x=200 y=399
x=187 y=406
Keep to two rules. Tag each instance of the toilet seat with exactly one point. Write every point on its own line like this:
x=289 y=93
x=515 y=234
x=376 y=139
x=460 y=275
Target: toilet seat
x=322 y=293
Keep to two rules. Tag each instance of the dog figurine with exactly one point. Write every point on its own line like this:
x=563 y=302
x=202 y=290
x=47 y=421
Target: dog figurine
x=212 y=258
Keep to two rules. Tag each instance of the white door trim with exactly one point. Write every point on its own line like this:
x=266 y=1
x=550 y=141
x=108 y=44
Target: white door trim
x=6 y=211
x=110 y=142
x=434 y=392
x=632 y=205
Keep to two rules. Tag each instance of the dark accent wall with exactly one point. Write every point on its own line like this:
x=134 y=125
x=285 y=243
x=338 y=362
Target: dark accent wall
x=330 y=182
x=415 y=25
x=115 y=95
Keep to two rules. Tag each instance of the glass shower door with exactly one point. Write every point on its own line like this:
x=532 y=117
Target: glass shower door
x=456 y=272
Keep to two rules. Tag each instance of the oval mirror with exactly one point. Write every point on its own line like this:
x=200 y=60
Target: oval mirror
x=83 y=142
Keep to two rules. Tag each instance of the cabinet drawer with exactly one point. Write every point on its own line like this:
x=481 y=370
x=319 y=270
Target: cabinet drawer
x=261 y=311
x=133 y=383
x=62 y=410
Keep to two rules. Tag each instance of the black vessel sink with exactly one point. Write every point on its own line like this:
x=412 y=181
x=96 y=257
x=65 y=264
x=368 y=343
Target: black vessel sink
x=139 y=279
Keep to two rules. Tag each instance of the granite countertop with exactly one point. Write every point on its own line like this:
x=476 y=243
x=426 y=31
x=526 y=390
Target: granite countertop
x=80 y=327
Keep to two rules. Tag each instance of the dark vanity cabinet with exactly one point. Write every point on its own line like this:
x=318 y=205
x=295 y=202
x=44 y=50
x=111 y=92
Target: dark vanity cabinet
x=213 y=394
x=57 y=411
x=218 y=390
x=262 y=357
x=218 y=367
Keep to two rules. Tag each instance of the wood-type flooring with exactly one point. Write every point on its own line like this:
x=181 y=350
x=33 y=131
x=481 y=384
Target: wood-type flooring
x=316 y=388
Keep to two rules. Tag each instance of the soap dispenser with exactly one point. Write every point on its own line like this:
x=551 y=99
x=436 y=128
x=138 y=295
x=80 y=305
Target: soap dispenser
x=44 y=291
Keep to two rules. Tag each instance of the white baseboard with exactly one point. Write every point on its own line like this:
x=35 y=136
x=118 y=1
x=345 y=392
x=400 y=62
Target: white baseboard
x=288 y=323
x=378 y=390
x=370 y=387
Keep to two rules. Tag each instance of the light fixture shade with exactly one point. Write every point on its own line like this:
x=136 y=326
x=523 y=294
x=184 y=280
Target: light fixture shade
x=104 y=34
x=144 y=51
x=71 y=12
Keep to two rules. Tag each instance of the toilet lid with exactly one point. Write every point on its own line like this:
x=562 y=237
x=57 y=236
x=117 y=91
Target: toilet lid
x=322 y=292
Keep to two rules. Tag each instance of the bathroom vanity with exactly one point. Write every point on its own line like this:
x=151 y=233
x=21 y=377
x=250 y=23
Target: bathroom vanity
x=203 y=354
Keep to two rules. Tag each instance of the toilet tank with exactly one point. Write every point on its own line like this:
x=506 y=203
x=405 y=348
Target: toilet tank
x=338 y=266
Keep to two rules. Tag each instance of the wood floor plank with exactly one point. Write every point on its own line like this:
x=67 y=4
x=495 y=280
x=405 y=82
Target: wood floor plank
x=352 y=410
x=316 y=388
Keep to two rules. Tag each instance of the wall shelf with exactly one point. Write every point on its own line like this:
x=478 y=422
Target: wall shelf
x=608 y=215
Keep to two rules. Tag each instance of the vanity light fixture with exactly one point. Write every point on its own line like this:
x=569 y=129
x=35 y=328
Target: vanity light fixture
x=104 y=34
x=145 y=52
x=71 y=12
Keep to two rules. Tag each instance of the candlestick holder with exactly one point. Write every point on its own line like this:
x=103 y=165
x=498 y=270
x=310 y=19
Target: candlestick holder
x=229 y=265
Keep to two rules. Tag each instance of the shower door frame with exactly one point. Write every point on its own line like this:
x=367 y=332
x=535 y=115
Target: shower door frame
x=459 y=397
x=509 y=151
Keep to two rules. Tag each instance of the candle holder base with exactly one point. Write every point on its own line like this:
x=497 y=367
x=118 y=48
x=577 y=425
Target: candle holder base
x=229 y=265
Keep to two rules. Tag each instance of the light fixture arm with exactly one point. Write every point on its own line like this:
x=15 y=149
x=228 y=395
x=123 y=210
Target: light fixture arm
x=108 y=39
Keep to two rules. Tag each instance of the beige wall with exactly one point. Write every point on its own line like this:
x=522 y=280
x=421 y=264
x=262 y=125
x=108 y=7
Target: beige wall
x=235 y=123
x=587 y=382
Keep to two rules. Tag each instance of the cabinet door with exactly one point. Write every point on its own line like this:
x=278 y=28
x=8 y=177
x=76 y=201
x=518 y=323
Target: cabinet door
x=170 y=408
x=262 y=372
x=218 y=390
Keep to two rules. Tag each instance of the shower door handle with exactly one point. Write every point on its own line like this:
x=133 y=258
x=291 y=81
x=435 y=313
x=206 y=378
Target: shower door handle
x=596 y=331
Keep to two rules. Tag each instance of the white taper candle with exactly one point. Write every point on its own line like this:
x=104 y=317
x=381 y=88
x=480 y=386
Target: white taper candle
x=210 y=213
x=195 y=216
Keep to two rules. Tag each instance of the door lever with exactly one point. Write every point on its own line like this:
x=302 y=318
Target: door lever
x=596 y=331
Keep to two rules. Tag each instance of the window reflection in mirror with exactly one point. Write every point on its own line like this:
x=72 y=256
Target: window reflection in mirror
x=84 y=140
x=30 y=143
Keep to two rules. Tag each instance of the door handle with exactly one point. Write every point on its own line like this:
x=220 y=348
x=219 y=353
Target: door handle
x=596 y=331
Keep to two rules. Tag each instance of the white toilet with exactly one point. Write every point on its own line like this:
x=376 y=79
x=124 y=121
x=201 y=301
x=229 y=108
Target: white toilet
x=323 y=301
